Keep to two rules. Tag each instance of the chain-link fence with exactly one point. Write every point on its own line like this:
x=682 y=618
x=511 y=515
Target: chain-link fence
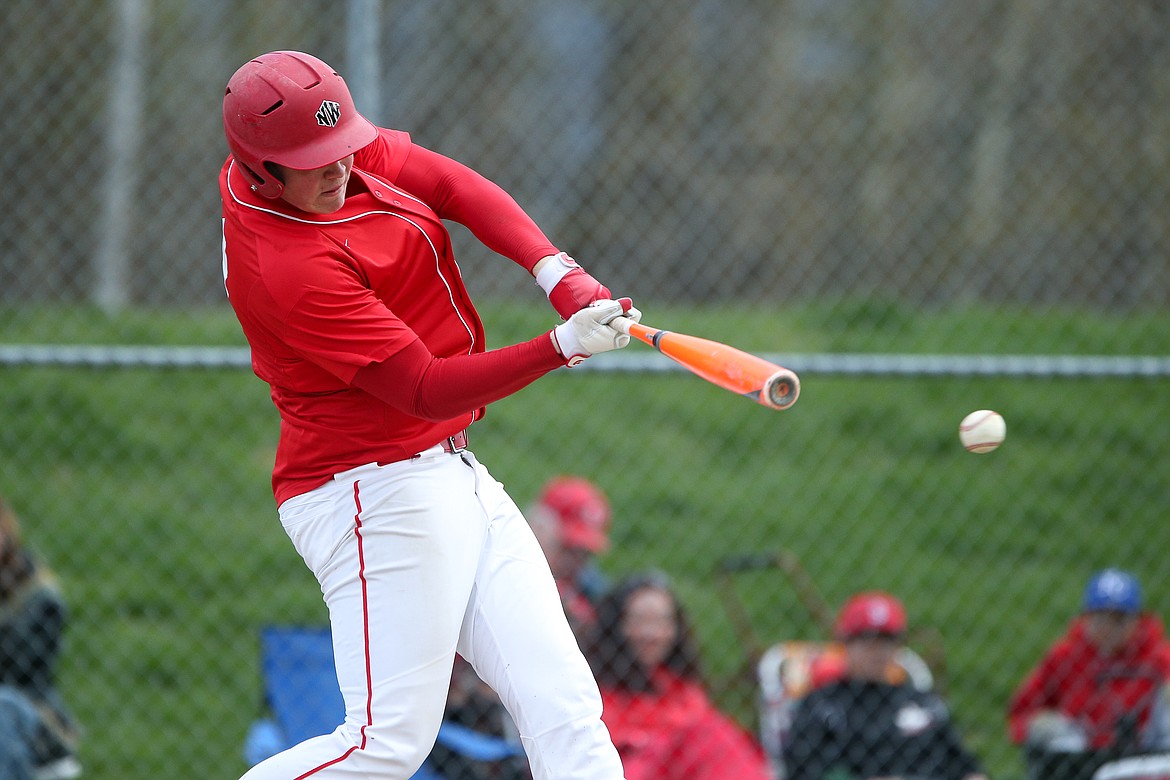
x=925 y=207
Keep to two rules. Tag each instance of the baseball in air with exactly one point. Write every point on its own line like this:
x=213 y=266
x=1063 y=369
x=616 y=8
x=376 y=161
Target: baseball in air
x=982 y=431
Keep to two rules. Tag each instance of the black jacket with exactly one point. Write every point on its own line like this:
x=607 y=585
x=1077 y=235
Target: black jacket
x=868 y=729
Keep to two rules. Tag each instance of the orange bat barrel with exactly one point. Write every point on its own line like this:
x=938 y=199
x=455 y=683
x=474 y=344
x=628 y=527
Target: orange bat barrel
x=732 y=369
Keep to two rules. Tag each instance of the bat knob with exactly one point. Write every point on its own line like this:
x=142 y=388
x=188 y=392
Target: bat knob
x=781 y=389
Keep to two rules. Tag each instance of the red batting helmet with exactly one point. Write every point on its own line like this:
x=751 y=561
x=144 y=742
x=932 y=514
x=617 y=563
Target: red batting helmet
x=290 y=108
x=870 y=613
x=581 y=510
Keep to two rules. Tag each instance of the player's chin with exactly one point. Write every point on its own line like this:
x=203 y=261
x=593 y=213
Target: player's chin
x=327 y=203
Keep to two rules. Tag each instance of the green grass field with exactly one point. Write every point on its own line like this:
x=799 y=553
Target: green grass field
x=148 y=491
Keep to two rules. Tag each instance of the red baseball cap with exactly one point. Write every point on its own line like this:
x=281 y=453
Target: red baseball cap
x=870 y=613
x=582 y=512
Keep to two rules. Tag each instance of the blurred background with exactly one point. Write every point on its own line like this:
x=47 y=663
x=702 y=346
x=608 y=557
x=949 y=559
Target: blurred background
x=924 y=207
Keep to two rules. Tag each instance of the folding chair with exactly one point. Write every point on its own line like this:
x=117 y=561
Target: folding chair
x=300 y=681
x=302 y=693
x=782 y=673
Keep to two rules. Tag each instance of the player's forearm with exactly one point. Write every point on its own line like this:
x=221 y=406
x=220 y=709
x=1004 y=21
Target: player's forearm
x=432 y=388
x=460 y=194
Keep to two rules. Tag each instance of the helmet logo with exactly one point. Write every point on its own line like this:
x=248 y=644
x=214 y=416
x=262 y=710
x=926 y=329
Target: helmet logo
x=878 y=613
x=328 y=113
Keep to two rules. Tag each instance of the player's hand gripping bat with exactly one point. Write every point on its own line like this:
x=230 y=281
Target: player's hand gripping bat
x=732 y=369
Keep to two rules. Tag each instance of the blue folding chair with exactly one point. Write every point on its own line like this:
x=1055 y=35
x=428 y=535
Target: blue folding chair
x=300 y=687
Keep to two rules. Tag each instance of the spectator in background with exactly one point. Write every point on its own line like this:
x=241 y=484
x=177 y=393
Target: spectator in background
x=571 y=519
x=1097 y=692
x=859 y=724
x=37 y=733
x=655 y=703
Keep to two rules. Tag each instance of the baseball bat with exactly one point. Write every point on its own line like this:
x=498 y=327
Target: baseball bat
x=732 y=369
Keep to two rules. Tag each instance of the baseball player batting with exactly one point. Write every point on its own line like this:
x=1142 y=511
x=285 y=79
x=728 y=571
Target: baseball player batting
x=341 y=273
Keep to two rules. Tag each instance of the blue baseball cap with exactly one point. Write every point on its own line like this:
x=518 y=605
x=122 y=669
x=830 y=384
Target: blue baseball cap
x=1113 y=590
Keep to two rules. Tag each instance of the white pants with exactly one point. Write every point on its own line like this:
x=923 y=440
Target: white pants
x=417 y=560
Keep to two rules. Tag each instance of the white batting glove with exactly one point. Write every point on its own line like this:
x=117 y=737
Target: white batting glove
x=589 y=332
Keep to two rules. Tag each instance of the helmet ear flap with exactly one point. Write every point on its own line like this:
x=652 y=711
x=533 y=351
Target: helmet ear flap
x=269 y=187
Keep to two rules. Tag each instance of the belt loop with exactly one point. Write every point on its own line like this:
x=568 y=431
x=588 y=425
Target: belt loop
x=456 y=443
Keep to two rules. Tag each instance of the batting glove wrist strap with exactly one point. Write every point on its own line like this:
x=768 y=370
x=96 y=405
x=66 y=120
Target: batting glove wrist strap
x=549 y=270
x=568 y=287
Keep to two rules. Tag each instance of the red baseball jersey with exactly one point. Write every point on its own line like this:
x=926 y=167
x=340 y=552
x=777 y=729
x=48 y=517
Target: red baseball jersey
x=321 y=296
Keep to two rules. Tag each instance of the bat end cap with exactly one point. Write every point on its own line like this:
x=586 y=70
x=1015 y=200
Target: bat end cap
x=781 y=390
